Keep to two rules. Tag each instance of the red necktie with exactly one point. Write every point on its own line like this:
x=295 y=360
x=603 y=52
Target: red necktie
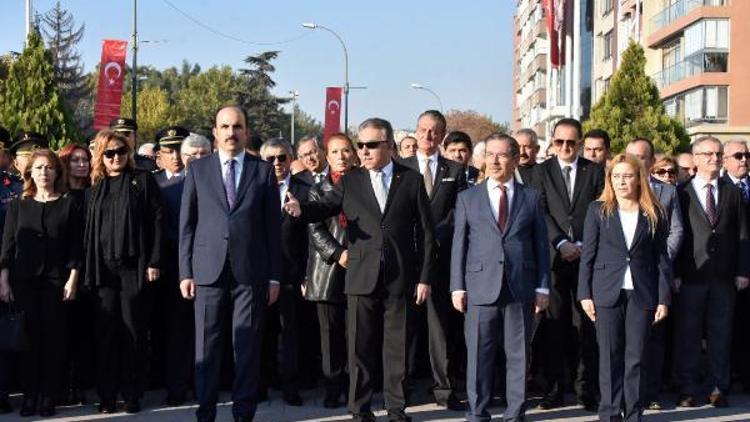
x=502 y=210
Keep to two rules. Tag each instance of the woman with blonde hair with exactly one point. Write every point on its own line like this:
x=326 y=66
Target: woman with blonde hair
x=123 y=249
x=623 y=282
x=40 y=260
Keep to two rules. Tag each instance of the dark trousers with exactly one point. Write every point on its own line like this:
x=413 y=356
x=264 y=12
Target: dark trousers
x=445 y=341
x=704 y=307
x=486 y=328
x=332 y=322
x=214 y=304
x=80 y=314
x=367 y=317
x=121 y=334
x=622 y=332
x=741 y=343
x=657 y=359
x=281 y=319
x=41 y=367
x=564 y=309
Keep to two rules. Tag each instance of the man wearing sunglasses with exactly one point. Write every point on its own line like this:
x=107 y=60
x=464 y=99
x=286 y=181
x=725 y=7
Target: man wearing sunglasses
x=568 y=183
x=711 y=267
x=391 y=258
x=230 y=261
x=283 y=318
x=667 y=195
x=736 y=159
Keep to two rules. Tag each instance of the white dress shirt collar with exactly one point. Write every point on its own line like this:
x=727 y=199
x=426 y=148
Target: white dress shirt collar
x=573 y=165
x=224 y=157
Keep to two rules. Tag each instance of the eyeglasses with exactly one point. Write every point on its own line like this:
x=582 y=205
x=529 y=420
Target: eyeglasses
x=662 y=172
x=273 y=158
x=709 y=154
x=370 y=144
x=570 y=143
x=688 y=169
x=740 y=155
x=110 y=153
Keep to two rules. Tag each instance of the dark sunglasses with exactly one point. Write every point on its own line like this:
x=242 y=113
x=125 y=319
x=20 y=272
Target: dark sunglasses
x=370 y=144
x=110 y=153
x=280 y=157
x=570 y=143
x=662 y=172
x=740 y=155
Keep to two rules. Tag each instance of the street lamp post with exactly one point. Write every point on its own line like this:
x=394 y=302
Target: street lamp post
x=422 y=87
x=294 y=94
x=134 y=88
x=346 y=69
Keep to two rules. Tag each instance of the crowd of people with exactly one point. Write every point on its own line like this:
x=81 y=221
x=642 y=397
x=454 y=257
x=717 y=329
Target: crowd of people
x=195 y=264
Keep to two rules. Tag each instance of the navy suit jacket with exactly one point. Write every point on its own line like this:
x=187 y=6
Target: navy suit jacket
x=605 y=258
x=482 y=253
x=248 y=234
x=667 y=196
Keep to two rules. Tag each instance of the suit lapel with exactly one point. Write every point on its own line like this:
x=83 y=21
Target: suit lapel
x=641 y=229
x=487 y=209
x=395 y=181
x=555 y=173
x=441 y=168
x=696 y=202
x=368 y=191
x=218 y=180
x=581 y=173
x=518 y=198
x=248 y=169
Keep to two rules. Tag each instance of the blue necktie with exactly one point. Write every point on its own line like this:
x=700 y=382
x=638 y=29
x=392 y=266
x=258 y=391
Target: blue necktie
x=230 y=187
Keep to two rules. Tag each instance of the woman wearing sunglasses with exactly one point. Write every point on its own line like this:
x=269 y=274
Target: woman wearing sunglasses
x=665 y=170
x=122 y=238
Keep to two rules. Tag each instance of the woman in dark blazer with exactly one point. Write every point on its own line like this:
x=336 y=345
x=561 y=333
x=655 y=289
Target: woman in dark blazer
x=623 y=282
x=326 y=268
x=123 y=249
x=41 y=256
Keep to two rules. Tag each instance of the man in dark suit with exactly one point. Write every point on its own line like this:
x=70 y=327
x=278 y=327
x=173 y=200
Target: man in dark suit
x=230 y=259
x=528 y=142
x=654 y=361
x=497 y=290
x=443 y=180
x=284 y=316
x=390 y=263
x=568 y=183
x=736 y=159
x=712 y=265
x=172 y=321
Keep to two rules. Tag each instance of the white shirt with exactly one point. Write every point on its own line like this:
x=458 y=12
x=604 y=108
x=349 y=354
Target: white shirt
x=322 y=175
x=699 y=185
x=432 y=160
x=493 y=190
x=284 y=188
x=170 y=175
x=573 y=171
x=387 y=175
x=629 y=222
x=239 y=162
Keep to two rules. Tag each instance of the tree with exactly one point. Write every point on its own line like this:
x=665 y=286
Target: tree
x=267 y=119
x=30 y=98
x=196 y=104
x=477 y=126
x=62 y=36
x=154 y=111
x=633 y=108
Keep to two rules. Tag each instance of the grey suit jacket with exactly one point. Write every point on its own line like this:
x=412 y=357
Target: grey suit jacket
x=483 y=257
x=667 y=195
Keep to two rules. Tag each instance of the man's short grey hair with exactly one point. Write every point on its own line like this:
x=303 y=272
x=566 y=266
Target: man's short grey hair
x=146 y=148
x=703 y=139
x=479 y=149
x=277 y=143
x=530 y=133
x=308 y=138
x=736 y=141
x=195 y=140
x=515 y=150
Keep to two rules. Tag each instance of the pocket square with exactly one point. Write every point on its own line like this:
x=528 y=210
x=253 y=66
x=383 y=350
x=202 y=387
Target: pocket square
x=449 y=179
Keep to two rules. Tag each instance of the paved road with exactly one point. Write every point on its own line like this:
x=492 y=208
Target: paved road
x=274 y=410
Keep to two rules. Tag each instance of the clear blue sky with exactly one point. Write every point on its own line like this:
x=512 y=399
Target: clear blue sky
x=460 y=49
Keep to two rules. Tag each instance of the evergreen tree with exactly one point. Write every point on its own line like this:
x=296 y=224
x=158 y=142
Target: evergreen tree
x=30 y=98
x=633 y=108
x=62 y=36
x=267 y=119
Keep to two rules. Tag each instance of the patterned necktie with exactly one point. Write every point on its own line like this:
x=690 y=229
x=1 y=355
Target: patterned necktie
x=710 y=205
x=427 y=177
x=230 y=187
x=745 y=194
x=566 y=178
x=381 y=192
x=502 y=210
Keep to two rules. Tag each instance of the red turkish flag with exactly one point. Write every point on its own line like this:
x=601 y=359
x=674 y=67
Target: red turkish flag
x=555 y=14
x=111 y=78
x=333 y=112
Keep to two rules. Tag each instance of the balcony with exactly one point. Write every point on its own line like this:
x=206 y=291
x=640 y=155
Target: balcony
x=701 y=62
x=679 y=9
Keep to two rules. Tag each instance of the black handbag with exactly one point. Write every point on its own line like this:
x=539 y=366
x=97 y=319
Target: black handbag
x=13 y=334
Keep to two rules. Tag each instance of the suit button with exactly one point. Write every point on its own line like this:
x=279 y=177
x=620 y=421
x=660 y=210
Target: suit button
x=570 y=218
x=39 y=235
x=226 y=237
x=627 y=259
x=382 y=226
x=713 y=231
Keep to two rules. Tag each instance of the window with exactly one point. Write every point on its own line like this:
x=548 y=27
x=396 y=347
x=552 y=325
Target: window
x=608 y=47
x=707 y=34
x=607 y=6
x=707 y=104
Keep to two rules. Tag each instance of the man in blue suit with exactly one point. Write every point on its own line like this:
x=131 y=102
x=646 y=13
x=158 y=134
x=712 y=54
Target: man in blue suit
x=230 y=259
x=499 y=276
